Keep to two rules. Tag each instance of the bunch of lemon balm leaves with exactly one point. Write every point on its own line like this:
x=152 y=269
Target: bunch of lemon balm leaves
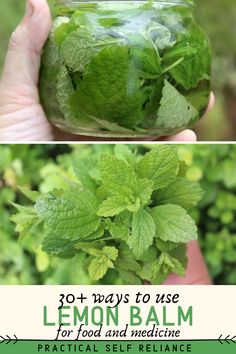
x=115 y=77
x=128 y=213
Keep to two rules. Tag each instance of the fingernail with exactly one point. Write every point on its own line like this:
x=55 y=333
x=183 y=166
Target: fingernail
x=29 y=8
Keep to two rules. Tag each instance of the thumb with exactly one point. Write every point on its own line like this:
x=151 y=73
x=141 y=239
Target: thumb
x=23 y=57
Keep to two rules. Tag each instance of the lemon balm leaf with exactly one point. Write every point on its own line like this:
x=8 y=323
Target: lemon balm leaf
x=175 y=111
x=173 y=223
x=143 y=232
x=159 y=165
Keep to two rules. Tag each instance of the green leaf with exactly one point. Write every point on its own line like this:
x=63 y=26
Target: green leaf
x=81 y=169
x=121 y=227
x=159 y=165
x=99 y=267
x=130 y=277
x=125 y=261
x=77 y=49
x=110 y=127
x=173 y=223
x=110 y=22
x=150 y=255
x=123 y=152
x=31 y=195
x=116 y=175
x=113 y=206
x=146 y=272
x=160 y=35
x=111 y=99
x=98 y=233
x=182 y=192
x=57 y=246
x=61 y=29
x=80 y=46
x=142 y=189
x=195 y=63
x=146 y=61
x=175 y=111
x=119 y=231
x=143 y=232
x=64 y=93
x=71 y=213
x=165 y=246
x=26 y=220
x=110 y=252
x=50 y=54
x=164 y=266
x=180 y=253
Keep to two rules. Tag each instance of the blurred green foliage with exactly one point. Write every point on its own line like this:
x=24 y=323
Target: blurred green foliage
x=23 y=263
x=45 y=167
x=218 y=18
x=214 y=166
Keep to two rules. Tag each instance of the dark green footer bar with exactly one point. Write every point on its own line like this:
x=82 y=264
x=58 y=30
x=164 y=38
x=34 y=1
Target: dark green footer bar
x=117 y=347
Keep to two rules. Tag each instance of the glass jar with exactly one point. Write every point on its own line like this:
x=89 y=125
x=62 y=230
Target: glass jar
x=125 y=69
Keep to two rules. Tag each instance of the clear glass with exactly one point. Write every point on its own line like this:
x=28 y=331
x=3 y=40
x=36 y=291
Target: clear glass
x=125 y=69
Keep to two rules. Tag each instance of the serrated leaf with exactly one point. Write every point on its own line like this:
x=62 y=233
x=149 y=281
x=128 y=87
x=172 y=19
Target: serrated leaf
x=195 y=64
x=175 y=111
x=119 y=231
x=159 y=165
x=121 y=226
x=26 y=220
x=81 y=169
x=70 y=213
x=173 y=223
x=142 y=189
x=135 y=206
x=113 y=206
x=64 y=93
x=110 y=252
x=98 y=233
x=77 y=49
x=182 y=192
x=165 y=246
x=143 y=232
x=57 y=246
x=111 y=66
x=99 y=267
x=115 y=172
x=122 y=152
x=165 y=265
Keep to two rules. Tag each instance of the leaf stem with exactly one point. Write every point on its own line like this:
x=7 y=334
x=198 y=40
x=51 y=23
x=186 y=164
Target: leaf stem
x=173 y=65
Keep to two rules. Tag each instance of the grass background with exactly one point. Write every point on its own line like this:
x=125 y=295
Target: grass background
x=218 y=18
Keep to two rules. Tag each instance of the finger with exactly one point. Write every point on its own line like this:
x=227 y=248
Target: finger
x=196 y=273
x=185 y=135
x=23 y=56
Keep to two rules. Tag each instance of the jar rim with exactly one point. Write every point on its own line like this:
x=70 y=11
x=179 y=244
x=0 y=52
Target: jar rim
x=169 y=2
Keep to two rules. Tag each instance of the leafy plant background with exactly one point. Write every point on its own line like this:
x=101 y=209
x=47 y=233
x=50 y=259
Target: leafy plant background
x=218 y=18
x=44 y=167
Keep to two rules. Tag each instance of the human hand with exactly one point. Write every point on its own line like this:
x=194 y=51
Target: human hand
x=21 y=116
x=197 y=272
